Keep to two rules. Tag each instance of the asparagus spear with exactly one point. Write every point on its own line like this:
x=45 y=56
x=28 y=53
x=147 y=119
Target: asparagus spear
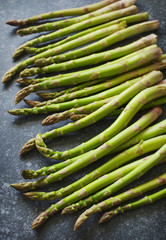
x=160 y=64
x=117 y=67
x=124 y=181
x=148 y=133
x=95 y=58
x=75 y=115
x=139 y=149
x=92 y=187
x=125 y=196
x=65 y=47
x=146 y=200
x=110 y=92
x=100 y=45
x=52 y=95
x=61 y=13
x=90 y=157
x=28 y=81
x=139 y=17
x=89 y=108
x=67 y=22
x=78 y=27
x=48 y=135
x=88 y=38
x=97 y=115
x=92 y=143
x=122 y=158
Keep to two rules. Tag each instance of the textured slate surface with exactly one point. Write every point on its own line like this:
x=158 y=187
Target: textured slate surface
x=17 y=212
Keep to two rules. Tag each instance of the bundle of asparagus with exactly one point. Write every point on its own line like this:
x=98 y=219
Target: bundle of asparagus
x=127 y=80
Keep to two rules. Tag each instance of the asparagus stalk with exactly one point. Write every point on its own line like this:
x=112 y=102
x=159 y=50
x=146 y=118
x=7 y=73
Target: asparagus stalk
x=97 y=115
x=90 y=157
x=121 y=65
x=150 y=132
x=65 y=47
x=127 y=195
x=61 y=13
x=160 y=64
x=77 y=114
x=110 y=92
x=48 y=135
x=67 y=22
x=94 y=59
x=124 y=181
x=139 y=17
x=52 y=95
x=89 y=108
x=88 y=38
x=120 y=159
x=94 y=186
x=78 y=27
x=101 y=44
x=92 y=143
x=139 y=149
x=146 y=200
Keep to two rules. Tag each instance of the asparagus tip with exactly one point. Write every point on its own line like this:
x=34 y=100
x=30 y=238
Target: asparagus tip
x=104 y=218
x=28 y=146
x=18 y=52
x=19 y=32
x=30 y=103
x=66 y=210
x=12 y=112
x=79 y=223
x=46 y=121
x=26 y=174
x=40 y=62
x=30 y=195
x=6 y=77
x=12 y=23
x=39 y=220
x=15 y=186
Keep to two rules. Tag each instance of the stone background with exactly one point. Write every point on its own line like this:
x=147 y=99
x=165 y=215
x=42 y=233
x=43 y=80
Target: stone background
x=18 y=212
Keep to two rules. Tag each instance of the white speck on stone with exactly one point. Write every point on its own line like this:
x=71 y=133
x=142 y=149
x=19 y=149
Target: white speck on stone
x=28 y=164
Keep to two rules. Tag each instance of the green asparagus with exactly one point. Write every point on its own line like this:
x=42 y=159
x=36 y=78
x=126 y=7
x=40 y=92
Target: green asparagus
x=78 y=27
x=61 y=13
x=146 y=200
x=67 y=22
x=78 y=113
x=139 y=17
x=94 y=186
x=49 y=135
x=101 y=44
x=54 y=208
x=109 y=69
x=90 y=157
x=122 y=158
x=122 y=182
x=94 y=59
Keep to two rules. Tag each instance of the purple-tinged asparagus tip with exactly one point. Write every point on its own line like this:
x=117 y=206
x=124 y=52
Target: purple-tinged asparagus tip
x=30 y=195
x=40 y=220
x=18 y=52
x=13 y=23
x=15 y=186
x=104 y=218
x=79 y=222
x=31 y=103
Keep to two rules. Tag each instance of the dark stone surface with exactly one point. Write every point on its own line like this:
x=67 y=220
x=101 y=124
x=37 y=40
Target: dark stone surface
x=17 y=212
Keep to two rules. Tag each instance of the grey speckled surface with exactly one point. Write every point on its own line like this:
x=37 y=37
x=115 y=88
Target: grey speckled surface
x=17 y=212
